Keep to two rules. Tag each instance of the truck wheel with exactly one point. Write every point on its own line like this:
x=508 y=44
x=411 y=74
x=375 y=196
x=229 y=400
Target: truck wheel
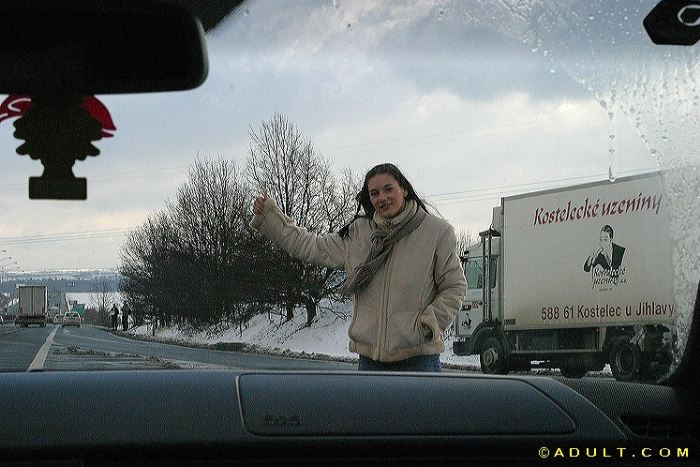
x=493 y=357
x=624 y=359
x=655 y=366
x=573 y=370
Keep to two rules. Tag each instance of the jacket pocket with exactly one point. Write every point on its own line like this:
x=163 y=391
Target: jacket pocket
x=364 y=325
x=428 y=326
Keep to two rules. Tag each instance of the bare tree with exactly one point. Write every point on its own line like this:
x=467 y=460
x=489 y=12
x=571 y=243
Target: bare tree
x=283 y=164
x=210 y=214
x=465 y=239
x=103 y=297
x=195 y=264
x=101 y=300
x=198 y=264
x=147 y=268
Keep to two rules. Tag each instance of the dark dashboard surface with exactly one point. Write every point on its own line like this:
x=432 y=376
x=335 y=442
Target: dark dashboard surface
x=193 y=416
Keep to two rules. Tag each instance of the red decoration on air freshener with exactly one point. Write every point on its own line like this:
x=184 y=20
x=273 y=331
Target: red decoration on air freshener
x=17 y=106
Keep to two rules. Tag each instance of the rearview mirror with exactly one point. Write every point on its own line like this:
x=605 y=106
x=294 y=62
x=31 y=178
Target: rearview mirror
x=99 y=47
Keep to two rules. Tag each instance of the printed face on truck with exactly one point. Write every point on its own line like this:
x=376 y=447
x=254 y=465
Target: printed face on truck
x=605 y=241
x=387 y=195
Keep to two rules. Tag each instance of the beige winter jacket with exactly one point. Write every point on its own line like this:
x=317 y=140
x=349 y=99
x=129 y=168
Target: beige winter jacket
x=420 y=283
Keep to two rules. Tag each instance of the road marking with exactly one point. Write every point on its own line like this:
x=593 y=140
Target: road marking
x=38 y=362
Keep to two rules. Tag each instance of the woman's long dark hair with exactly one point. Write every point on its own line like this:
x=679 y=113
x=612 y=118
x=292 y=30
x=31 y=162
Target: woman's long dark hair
x=362 y=198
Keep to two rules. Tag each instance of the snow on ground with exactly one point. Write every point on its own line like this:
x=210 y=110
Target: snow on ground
x=327 y=336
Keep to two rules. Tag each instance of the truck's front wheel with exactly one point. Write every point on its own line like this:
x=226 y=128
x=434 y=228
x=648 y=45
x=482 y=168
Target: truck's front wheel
x=625 y=358
x=573 y=370
x=493 y=357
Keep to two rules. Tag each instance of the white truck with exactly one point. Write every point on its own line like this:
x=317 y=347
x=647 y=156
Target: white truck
x=33 y=305
x=578 y=277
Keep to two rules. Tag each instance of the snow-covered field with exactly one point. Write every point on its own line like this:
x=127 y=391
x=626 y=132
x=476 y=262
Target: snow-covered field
x=328 y=335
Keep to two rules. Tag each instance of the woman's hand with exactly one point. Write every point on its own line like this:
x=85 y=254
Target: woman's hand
x=259 y=204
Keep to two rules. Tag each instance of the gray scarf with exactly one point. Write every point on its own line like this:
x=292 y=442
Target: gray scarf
x=382 y=244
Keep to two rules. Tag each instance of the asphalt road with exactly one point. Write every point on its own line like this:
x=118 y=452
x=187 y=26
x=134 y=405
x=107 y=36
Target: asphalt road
x=55 y=348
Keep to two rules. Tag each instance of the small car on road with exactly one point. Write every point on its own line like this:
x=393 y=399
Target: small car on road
x=71 y=318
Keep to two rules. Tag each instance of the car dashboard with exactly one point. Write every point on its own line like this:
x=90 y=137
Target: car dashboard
x=213 y=417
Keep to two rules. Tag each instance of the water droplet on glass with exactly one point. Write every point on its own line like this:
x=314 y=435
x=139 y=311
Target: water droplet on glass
x=603 y=104
x=441 y=14
x=653 y=152
x=535 y=49
x=591 y=17
x=335 y=3
x=612 y=161
x=664 y=138
x=246 y=12
x=552 y=70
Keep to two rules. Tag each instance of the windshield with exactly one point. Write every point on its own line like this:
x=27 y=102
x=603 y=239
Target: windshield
x=564 y=116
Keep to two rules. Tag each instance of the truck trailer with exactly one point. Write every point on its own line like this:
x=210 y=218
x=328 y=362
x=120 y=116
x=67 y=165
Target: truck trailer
x=33 y=305
x=578 y=277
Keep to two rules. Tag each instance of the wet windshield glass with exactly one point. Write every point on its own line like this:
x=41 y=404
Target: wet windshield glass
x=554 y=137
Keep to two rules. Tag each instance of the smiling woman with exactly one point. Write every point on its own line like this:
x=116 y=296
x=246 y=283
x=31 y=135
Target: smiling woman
x=403 y=271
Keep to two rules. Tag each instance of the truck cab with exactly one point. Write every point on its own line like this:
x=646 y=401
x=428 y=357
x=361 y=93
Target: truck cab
x=475 y=313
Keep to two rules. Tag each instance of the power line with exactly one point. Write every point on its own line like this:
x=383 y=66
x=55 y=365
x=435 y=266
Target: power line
x=66 y=236
x=117 y=176
x=460 y=138
x=456 y=132
x=472 y=195
x=489 y=193
x=558 y=180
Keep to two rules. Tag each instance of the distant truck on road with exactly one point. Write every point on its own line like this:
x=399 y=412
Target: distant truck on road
x=33 y=305
x=573 y=278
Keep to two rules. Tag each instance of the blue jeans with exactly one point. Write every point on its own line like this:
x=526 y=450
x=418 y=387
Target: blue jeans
x=419 y=363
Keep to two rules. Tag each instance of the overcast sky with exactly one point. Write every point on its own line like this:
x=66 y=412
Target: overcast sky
x=470 y=99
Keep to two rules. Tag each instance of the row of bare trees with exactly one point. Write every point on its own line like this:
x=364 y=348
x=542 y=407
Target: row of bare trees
x=197 y=262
